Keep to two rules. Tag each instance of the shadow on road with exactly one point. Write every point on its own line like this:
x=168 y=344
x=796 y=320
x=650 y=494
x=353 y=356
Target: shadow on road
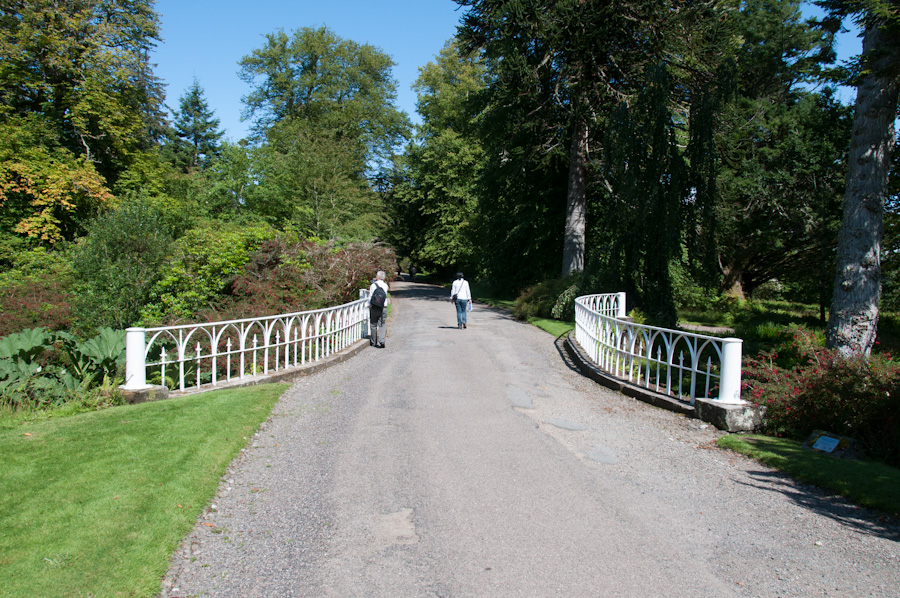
x=834 y=507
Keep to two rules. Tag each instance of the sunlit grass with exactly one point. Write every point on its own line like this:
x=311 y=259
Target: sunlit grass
x=95 y=504
x=554 y=327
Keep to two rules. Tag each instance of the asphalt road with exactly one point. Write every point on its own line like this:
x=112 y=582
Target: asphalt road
x=478 y=462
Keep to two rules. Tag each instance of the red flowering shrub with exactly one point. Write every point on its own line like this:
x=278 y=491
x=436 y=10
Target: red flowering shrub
x=805 y=388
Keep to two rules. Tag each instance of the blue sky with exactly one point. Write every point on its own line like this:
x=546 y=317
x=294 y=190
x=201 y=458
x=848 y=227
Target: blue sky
x=206 y=39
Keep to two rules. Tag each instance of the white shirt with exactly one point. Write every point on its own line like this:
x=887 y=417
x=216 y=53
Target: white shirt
x=383 y=285
x=460 y=288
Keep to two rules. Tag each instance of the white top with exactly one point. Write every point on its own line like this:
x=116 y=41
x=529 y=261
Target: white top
x=460 y=288
x=383 y=285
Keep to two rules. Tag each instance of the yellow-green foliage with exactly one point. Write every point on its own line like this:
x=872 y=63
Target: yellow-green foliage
x=204 y=261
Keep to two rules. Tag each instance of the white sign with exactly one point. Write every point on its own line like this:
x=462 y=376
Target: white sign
x=826 y=444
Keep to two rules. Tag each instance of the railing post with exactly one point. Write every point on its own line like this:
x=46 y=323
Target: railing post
x=135 y=366
x=620 y=302
x=730 y=382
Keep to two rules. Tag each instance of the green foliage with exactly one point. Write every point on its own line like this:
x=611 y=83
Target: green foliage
x=199 y=268
x=35 y=374
x=783 y=157
x=564 y=308
x=83 y=69
x=98 y=358
x=310 y=184
x=336 y=86
x=805 y=387
x=118 y=264
x=641 y=223
x=542 y=299
x=229 y=181
x=46 y=191
x=434 y=199
x=196 y=132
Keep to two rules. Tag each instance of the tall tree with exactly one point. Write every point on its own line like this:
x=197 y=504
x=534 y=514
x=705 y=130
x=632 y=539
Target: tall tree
x=82 y=68
x=853 y=320
x=336 y=85
x=78 y=104
x=326 y=127
x=573 y=61
x=196 y=130
x=433 y=202
x=780 y=145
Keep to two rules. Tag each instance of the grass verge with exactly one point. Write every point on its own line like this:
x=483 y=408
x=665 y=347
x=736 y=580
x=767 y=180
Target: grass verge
x=866 y=483
x=554 y=327
x=95 y=504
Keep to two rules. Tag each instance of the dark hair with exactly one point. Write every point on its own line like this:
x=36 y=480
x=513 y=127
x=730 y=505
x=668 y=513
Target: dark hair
x=459 y=274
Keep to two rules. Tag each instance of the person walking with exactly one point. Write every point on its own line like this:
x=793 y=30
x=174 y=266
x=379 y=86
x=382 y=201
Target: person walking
x=377 y=304
x=462 y=297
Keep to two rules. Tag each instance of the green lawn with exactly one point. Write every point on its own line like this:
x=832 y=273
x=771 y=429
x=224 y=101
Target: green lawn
x=554 y=327
x=866 y=483
x=95 y=504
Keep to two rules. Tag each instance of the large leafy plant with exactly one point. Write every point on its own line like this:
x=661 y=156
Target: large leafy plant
x=39 y=368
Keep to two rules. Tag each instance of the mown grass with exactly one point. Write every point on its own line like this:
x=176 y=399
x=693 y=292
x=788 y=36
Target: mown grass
x=866 y=483
x=555 y=327
x=96 y=503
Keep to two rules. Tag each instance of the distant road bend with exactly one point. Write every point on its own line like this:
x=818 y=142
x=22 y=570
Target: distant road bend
x=458 y=463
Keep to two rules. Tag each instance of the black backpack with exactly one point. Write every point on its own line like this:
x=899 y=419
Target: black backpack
x=379 y=297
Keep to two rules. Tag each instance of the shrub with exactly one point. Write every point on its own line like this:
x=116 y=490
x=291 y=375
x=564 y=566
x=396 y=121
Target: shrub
x=202 y=265
x=38 y=292
x=540 y=300
x=117 y=265
x=805 y=388
x=284 y=277
x=39 y=368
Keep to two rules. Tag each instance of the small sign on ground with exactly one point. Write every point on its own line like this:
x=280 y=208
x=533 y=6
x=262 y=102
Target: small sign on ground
x=832 y=444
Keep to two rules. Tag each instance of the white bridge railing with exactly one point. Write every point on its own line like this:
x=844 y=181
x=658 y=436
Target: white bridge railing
x=679 y=364
x=201 y=355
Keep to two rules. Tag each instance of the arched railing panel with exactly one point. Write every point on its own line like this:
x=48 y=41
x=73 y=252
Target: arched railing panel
x=193 y=356
x=680 y=364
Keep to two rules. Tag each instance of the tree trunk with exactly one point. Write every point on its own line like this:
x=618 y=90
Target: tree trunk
x=573 y=250
x=853 y=321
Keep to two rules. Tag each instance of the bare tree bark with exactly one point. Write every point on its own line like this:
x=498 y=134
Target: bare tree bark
x=573 y=250
x=853 y=321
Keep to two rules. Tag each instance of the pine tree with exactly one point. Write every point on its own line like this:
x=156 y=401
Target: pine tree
x=196 y=130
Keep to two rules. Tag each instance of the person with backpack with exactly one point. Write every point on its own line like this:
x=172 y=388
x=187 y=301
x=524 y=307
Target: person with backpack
x=462 y=297
x=377 y=304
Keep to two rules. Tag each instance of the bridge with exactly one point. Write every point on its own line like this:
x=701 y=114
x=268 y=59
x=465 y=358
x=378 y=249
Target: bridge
x=481 y=462
x=691 y=373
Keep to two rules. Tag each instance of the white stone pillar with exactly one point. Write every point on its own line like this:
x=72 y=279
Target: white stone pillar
x=730 y=383
x=135 y=367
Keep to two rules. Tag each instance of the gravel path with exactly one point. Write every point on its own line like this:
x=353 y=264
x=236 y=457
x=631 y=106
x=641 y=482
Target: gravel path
x=478 y=462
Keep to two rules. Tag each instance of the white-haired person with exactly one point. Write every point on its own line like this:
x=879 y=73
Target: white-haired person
x=461 y=295
x=377 y=304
